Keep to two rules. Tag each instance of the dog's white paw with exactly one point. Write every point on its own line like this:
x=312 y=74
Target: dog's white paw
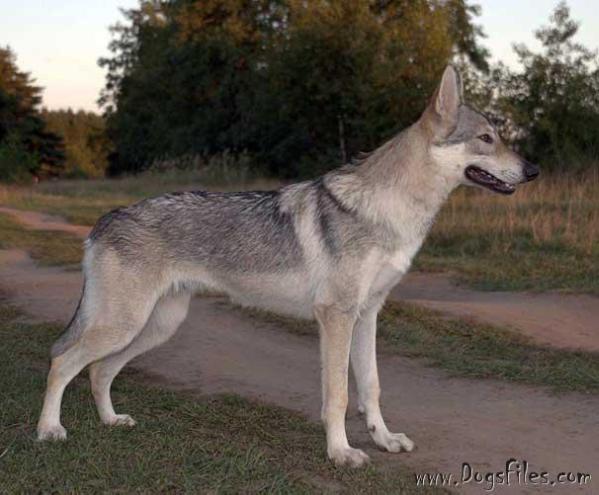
x=53 y=432
x=349 y=456
x=120 y=420
x=393 y=442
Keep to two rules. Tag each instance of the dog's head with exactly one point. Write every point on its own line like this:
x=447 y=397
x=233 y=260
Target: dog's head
x=466 y=147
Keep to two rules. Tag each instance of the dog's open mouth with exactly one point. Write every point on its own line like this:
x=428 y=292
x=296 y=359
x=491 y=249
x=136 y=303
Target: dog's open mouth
x=487 y=180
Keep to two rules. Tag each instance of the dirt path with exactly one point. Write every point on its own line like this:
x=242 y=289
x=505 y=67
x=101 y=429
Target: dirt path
x=559 y=320
x=43 y=221
x=452 y=420
x=569 y=321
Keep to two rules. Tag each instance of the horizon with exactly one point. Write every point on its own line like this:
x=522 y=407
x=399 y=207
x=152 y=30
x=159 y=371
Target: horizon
x=71 y=78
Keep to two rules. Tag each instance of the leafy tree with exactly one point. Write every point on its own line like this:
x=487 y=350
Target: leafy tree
x=86 y=144
x=348 y=74
x=22 y=130
x=549 y=108
x=181 y=79
x=301 y=86
x=15 y=162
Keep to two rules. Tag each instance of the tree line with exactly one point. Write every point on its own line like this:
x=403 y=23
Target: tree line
x=86 y=144
x=36 y=143
x=27 y=147
x=302 y=86
x=297 y=86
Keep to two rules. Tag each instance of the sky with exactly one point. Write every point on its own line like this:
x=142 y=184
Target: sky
x=60 y=41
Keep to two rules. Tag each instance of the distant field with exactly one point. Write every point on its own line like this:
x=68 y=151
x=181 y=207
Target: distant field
x=544 y=237
x=83 y=201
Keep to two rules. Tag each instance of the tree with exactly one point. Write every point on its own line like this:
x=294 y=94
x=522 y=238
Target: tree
x=300 y=86
x=550 y=108
x=22 y=130
x=86 y=144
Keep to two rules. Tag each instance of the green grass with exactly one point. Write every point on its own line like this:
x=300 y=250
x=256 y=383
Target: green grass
x=468 y=349
x=182 y=444
x=48 y=248
x=84 y=201
x=476 y=350
x=482 y=263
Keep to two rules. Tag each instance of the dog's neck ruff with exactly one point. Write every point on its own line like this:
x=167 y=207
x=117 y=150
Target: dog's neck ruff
x=397 y=186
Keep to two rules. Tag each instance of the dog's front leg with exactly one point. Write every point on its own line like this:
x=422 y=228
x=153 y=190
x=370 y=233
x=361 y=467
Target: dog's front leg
x=363 y=359
x=335 y=339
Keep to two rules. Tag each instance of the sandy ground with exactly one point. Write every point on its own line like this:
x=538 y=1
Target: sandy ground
x=452 y=420
x=559 y=320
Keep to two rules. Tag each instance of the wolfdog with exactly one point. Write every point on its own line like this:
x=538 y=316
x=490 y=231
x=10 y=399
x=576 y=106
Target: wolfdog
x=330 y=249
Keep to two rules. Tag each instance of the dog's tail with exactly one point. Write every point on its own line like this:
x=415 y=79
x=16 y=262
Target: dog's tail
x=72 y=332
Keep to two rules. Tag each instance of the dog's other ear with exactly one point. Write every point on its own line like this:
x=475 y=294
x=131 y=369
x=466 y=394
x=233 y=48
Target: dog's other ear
x=442 y=112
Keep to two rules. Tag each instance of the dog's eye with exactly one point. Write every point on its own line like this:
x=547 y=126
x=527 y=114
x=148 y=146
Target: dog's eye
x=486 y=138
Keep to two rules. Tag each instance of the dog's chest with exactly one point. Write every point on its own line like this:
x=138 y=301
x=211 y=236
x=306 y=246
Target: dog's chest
x=390 y=268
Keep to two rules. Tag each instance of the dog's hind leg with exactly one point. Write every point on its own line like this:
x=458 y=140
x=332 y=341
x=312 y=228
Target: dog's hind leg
x=363 y=359
x=168 y=314
x=108 y=323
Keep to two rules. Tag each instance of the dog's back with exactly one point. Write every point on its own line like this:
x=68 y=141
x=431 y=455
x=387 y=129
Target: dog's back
x=239 y=232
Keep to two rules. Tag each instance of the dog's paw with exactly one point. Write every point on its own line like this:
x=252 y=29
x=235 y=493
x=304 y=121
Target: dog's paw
x=393 y=442
x=349 y=456
x=120 y=420
x=54 y=433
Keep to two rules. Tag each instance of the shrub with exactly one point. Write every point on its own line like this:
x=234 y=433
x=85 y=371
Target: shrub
x=16 y=163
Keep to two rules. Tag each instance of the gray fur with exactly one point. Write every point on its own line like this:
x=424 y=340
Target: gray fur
x=330 y=249
x=470 y=124
x=241 y=232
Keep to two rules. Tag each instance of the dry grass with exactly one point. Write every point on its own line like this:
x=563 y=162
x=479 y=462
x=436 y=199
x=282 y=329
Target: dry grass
x=543 y=237
x=83 y=201
x=559 y=209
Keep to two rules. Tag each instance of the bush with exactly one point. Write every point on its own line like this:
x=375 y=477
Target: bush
x=15 y=162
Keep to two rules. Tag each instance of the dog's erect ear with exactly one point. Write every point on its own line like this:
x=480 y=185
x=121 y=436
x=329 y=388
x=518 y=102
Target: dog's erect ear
x=443 y=109
x=449 y=95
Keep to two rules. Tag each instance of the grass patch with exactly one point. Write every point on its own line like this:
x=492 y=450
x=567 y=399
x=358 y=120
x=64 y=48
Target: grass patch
x=78 y=210
x=481 y=263
x=544 y=237
x=82 y=202
x=476 y=350
x=182 y=444
x=48 y=248
x=465 y=348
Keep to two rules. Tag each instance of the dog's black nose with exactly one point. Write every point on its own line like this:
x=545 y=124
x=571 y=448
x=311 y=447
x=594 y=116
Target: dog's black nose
x=531 y=171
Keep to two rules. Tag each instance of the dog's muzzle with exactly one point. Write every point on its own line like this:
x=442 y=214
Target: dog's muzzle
x=531 y=171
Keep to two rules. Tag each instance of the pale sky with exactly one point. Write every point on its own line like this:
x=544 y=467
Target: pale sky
x=60 y=41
